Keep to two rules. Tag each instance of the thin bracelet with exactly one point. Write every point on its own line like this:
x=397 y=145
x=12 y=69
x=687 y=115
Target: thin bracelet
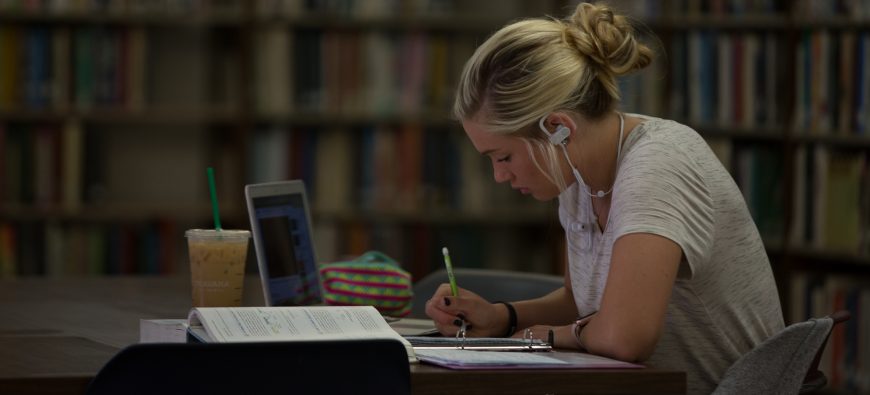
x=576 y=329
x=512 y=319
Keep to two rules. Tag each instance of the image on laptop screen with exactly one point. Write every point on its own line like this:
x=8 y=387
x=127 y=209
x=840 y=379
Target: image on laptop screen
x=287 y=254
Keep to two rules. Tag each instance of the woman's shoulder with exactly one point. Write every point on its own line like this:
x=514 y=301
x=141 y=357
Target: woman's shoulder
x=661 y=129
x=653 y=136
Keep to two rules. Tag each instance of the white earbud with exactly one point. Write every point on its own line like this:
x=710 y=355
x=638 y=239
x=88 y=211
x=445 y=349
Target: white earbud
x=560 y=136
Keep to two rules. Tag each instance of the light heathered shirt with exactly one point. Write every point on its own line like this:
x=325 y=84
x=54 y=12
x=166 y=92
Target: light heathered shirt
x=725 y=300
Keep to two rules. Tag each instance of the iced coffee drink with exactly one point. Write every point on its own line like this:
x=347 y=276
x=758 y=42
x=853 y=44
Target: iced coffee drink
x=217 y=266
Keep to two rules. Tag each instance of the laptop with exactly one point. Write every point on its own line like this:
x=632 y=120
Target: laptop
x=281 y=229
x=284 y=245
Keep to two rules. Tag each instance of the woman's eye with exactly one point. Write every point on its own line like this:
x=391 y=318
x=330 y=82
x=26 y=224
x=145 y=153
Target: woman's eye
x=504 y=159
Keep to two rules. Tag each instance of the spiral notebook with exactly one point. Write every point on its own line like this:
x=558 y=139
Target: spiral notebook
x=469 y=360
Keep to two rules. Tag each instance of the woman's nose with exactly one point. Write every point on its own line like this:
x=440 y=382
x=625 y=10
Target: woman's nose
x=501 y=175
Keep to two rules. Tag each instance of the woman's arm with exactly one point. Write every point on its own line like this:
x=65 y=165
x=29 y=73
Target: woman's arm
x=486 y=319
x=629 y=322
x=555 y=308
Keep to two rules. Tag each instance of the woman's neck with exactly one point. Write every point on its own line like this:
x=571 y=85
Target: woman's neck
x=594 y=150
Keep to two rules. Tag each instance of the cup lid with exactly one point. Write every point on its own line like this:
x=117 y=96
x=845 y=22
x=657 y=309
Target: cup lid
x=217 y=234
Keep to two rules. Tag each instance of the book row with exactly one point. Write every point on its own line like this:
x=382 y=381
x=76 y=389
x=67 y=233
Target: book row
x=335 y=71
x=733 y=81
x=384 y=168
x=58 y=68
x=86 y=67
x=831 y=200
x=265 y=8
x=659 y=8
x=830 y=195
x=158 y=247
x=374 y=168
x=731 y=78
x=832 y=80
x=122 y=7
x=362 y=9
x=758 y=171
x=46 y=165
x=846 y=360
x=855 y=9
x=57 y=249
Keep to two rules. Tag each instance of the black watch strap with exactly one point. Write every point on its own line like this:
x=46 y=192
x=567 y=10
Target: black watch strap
x=512 y=319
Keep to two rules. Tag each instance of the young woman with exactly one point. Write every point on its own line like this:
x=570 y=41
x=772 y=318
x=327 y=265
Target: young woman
x=664 y=260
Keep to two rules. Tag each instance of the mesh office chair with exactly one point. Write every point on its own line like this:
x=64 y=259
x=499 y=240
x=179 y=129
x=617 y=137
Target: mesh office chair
x=815 y=378
x=786 y=363
x=492 y=285
x=321 y=367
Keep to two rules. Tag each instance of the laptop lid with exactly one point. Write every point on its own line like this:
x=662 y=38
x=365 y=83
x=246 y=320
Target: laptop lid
x=283 y=242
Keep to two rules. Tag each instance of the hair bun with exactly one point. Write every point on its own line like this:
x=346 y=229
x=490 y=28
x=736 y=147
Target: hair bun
x=606 y=38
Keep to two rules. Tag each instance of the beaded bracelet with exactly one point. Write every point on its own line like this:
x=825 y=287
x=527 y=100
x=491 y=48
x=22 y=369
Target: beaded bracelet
x=512 y=319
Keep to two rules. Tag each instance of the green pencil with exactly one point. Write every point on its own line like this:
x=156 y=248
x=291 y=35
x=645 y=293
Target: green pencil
x=450 y=275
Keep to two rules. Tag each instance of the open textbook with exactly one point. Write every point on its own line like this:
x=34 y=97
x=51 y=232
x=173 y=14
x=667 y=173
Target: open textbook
x=297 y=323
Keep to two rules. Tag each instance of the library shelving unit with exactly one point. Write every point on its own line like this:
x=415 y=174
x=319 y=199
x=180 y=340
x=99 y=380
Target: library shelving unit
x=111 y=111
x=109 y=114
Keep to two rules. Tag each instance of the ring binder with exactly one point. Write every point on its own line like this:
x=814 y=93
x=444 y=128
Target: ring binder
x=479 y=343
x=460 y=334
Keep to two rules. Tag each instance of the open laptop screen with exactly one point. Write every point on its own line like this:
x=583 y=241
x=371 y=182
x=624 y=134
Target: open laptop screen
x=285 y=252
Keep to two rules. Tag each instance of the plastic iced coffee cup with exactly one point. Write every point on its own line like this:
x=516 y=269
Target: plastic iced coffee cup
x=217 y=266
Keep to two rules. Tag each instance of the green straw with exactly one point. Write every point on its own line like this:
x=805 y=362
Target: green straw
x=214 y=203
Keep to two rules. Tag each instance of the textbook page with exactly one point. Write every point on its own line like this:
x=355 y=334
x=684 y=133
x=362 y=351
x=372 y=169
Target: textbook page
x=162 y=331
x=297 y=323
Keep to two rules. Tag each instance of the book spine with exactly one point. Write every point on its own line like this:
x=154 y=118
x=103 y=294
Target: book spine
x=60 y=68
x=11 y=73
x=85 y=68
x=8 y=250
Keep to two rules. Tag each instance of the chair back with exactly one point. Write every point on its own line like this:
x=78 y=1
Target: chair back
x=492 y=285
x=779 y=364
x=815 y=379
x=319 y=367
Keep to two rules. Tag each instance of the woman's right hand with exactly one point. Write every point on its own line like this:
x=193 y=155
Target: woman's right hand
x=483 y=318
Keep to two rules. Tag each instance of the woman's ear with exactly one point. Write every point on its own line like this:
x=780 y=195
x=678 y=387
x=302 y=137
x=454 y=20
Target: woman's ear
x=563 y=126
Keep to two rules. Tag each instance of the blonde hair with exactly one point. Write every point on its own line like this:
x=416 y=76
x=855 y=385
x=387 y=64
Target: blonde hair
x=533 y=67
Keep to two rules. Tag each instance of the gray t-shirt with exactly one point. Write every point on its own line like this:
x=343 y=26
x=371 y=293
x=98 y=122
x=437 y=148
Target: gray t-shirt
x=725 y=300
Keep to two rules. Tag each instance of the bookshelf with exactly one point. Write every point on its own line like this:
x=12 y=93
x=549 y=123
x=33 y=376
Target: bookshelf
x=798 y=69
x=110 y=112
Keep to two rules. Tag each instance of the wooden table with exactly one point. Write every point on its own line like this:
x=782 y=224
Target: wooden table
x=55 y=334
